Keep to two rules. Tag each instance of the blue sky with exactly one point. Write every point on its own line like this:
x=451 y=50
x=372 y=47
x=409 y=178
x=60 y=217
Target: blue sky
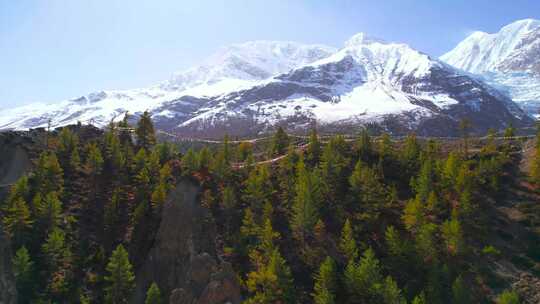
x=58 y=49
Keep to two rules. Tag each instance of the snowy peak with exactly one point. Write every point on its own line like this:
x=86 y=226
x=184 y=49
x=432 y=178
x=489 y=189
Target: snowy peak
x=362 y=39
x=482 y=52
x=250 y=61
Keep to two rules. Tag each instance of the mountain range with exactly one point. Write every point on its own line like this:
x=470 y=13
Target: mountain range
x=246 y=89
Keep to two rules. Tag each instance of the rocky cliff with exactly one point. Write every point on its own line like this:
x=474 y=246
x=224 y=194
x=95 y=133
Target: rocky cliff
x=183 y=259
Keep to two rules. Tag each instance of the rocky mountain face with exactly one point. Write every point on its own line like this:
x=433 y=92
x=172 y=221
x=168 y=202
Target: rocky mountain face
x=183 y=259
x=509 y=60
x=230 y=69
x=367 y=81
x=250 y=88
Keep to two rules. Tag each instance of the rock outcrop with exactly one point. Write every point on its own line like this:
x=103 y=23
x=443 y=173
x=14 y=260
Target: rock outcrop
x=183 y=260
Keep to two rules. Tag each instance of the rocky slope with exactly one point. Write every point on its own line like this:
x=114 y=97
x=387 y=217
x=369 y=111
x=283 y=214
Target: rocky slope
x=509 y=60
x=368 y=80
x=183 y=260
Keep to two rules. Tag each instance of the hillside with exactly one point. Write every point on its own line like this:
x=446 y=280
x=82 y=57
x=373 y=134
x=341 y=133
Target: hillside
x=329 y=219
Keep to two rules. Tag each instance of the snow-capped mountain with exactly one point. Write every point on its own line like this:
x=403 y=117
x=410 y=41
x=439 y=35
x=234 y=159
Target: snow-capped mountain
x=368 y=80
x=249 y=88
x=508 y=60
x=231 y=68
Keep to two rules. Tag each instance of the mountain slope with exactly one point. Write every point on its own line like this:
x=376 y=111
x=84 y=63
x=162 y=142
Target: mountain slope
x=249 y=88
x=368 y=80
x=509 y=60
x=231 y=68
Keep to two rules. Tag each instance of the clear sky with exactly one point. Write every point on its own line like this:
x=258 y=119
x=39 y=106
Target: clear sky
x=52 y=50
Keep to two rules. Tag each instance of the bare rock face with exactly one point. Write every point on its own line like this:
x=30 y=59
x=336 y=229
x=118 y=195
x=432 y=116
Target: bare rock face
x=8 y=292
x=183 y=260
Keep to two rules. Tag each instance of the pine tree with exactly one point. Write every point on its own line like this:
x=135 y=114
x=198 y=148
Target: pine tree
x=390 y=292
x=146 y=137
x=535 y=165
x=153 y=295
x=121 y=280
x=94 y=161
x=23 y=268
x=325 y=283
x=258 y=188
x=465 y=126
x=363 y=280
x=508 y=297
x=58 y=259
x=189 y=162
x=453 y=236
x=271 y=282
x=395 y=245
x=420 y=299
x=313 y=151
x=347 y=244
x=413 y=214
x=280 y=142
x=332 y=167
x=305 y=209
x=364 y=145
x=50 y=212
x=424 y=184
x=203 y=162
x=48 y=174
x=18 y=222
x=425 y=242
x=460 y=292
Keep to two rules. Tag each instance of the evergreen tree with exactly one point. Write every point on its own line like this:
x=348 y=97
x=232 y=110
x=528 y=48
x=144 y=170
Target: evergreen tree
x=347 y=244
x=280 y=142
x=146 y=137
x=390 y=292
x=363 y=280
x=23 y=268
x=453 y=236
x=94 y=160
x=203 y=161
x=313 y=151
x=189 y=161
x=395 y=245
x=508 y=297
x=58 y=259
x=420 y=299
x=50 y=212
x=364 y=145
x=325 y=283
x=153 y=295
x=121 y=280
x=48 y=174
x=258 y=188
x=305 y=209
x=535 y=165
x=460 y=292
x=413 y=214
x=272 y=282
x=18 y=222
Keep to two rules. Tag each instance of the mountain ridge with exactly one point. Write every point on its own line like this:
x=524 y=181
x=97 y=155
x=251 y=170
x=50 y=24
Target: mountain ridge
x=258 y=85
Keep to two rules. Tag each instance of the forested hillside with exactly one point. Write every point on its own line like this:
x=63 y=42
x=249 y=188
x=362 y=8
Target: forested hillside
x=372 y=219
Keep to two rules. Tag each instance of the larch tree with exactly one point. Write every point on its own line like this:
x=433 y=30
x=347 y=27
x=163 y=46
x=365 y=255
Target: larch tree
x=153 y=295
x=325 y=283
x=120 y=279
x=146 y=137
